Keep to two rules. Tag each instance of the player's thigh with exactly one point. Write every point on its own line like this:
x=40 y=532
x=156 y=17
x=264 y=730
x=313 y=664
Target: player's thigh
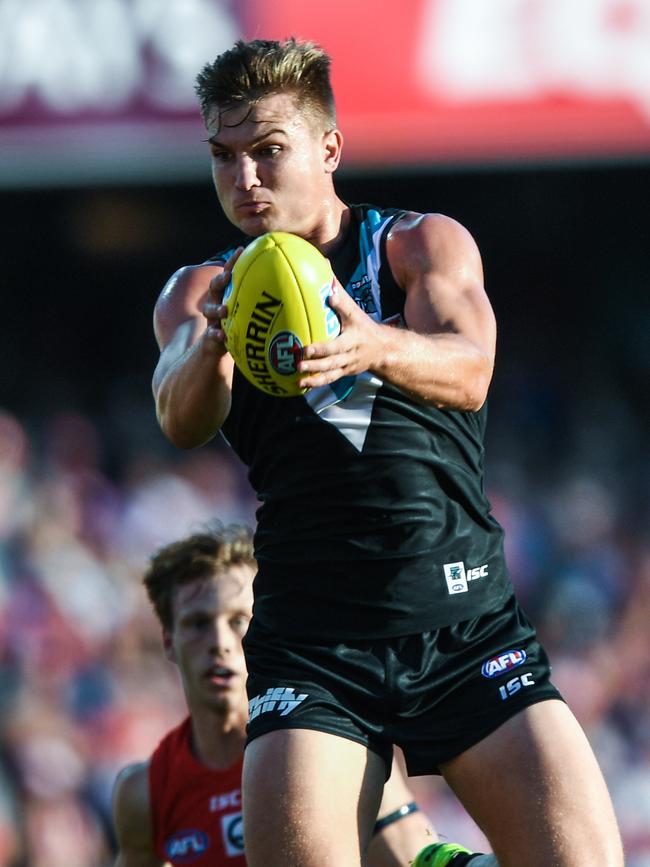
x=535 y=788
x=309 y=799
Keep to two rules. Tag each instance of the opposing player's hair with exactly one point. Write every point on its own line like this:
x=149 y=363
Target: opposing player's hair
x=249 y=71
x=202 y=555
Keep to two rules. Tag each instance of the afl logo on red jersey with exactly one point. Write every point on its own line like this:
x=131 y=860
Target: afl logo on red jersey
x=186 y=846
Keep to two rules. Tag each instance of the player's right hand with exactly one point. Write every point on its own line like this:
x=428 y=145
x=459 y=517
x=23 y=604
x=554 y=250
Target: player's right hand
x=213 y=307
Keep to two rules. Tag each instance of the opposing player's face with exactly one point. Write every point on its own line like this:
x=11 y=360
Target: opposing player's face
x=211 y=616
x=272 y=166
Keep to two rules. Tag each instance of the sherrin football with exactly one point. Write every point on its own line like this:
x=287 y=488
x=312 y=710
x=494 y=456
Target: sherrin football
x=277 y=304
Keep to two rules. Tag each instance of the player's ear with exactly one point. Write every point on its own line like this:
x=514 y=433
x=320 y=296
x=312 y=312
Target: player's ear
x=168 y=646
x=333 y=145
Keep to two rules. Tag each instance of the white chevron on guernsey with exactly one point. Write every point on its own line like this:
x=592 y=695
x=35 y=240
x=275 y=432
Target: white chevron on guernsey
x=351 y=416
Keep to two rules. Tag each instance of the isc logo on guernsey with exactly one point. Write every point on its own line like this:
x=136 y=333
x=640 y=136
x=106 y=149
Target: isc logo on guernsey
x=457 y=576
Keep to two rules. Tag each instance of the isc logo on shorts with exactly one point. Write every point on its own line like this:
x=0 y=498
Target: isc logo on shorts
x=281 y=699
x=513 y=686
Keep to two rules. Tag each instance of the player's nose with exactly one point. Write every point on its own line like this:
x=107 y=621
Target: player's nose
x=246 y=177
x=222 y=638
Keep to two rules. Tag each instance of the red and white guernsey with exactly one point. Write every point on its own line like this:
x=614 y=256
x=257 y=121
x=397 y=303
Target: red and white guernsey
x=196 y=811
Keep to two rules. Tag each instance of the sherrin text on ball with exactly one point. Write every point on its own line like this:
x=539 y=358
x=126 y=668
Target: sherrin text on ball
x=277 y=304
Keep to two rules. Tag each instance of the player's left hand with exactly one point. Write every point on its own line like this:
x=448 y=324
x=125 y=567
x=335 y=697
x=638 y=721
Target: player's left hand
x=358 y=347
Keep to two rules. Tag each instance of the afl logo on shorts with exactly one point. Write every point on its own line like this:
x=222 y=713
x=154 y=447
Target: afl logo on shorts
x=285 y=352
x=186 y=846
x=503 y=663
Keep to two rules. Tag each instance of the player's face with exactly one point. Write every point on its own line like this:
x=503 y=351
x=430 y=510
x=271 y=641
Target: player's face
x=272 y=166
x=211 y=616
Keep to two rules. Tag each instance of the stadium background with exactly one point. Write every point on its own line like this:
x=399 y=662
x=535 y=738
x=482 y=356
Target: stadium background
x=530 y=125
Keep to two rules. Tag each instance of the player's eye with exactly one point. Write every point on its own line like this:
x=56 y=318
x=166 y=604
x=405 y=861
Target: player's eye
x=220 y=155
x=269 y=150
x=239 y=622
x=199 y=622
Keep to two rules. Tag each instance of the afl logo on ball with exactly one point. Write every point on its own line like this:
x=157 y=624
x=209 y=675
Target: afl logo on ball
x=285 y=352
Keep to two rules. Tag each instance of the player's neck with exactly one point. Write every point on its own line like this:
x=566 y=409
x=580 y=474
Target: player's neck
x=330 y=229
x=218 y=739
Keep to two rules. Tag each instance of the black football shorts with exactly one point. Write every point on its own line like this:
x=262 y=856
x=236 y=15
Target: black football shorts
x=434 y=694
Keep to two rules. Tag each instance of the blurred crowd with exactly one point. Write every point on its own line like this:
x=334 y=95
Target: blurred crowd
x=85 y=689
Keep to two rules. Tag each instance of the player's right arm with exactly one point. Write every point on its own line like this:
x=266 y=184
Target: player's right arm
x=193 y=379
x=132 y=818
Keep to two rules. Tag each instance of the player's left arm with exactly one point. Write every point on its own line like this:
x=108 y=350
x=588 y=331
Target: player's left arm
x=132 y=819
x=401 y=830
x=446 y=355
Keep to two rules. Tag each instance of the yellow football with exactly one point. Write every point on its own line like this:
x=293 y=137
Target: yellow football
x=277 y=304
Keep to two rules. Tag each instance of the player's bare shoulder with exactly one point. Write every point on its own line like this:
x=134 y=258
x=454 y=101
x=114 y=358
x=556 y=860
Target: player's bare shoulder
x=132 y=817
x=431 y=241
x=182 y=298
x=435 y=259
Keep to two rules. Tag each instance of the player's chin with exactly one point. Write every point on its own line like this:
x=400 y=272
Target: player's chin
x=228 y=702
x=256 y=224
x=221 y=700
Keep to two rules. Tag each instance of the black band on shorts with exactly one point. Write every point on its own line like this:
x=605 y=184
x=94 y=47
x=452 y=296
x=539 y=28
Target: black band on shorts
x=395 y=816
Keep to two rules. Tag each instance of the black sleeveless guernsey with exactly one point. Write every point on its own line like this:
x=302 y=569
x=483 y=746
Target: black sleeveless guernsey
x=373 y=519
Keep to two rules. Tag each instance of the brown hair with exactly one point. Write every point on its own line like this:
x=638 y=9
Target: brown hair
x=199 y=556
x=252 y=70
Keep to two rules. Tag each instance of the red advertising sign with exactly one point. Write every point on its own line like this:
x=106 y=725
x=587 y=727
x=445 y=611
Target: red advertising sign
x=430 y=80
x=105 y=90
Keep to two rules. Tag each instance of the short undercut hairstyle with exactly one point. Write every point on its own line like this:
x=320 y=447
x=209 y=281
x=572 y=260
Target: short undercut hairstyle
x=250 y=71
x=202 y=555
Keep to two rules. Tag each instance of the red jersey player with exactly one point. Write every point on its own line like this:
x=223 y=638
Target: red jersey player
x=183 y=805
